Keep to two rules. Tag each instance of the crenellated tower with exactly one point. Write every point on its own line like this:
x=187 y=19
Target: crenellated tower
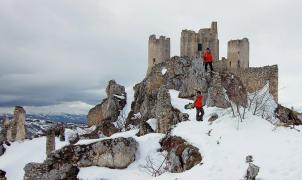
x=193 y=44
x=238 y=54
x=158 y=50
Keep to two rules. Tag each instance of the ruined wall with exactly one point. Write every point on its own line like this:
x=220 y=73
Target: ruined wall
x=206 y=38
x=238 y=54
x=158 y=51
x=256 y=77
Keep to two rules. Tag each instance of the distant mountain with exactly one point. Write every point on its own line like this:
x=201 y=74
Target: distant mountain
x=63 y=117
x=37 y=124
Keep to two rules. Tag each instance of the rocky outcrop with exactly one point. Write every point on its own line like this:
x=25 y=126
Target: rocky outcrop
x=105 y=128
x=15 y=129
x=181 y=155
x=287 y=116
x=50 y=141
x=110 y=107
x=116 y=153
x=2 y=175
x=216 y=94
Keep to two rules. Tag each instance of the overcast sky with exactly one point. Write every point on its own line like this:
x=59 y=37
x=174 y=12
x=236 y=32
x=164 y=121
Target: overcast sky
x=59 y=51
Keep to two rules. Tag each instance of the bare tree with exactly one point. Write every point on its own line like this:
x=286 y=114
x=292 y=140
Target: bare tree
x=155 y=167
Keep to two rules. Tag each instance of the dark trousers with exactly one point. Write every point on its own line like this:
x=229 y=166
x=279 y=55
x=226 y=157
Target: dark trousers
x=199 y=114
x=206 y=66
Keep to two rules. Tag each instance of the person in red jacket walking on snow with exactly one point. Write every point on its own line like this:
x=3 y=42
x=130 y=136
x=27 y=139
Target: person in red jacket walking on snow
x=208 y=59
x=198 y=104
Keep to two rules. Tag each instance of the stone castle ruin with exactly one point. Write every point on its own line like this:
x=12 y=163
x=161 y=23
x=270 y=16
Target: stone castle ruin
x=158 y=50
x=193 y=44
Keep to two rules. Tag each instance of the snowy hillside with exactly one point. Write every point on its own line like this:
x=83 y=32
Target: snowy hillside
x=276 y=150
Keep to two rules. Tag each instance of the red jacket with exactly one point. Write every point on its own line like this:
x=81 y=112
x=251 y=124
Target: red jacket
x=198 y=102
x=207 y=57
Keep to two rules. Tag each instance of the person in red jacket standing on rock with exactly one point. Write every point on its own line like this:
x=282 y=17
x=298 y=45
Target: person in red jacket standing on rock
x=198 y=104
x=208 y=59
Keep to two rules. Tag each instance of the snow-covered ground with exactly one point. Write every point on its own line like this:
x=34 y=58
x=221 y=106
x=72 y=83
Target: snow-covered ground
x=277 y=151
x=20 y=153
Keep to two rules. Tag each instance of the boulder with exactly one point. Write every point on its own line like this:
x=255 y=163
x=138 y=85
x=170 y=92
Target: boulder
x=181 y=155
x=110 y=107
x=48 y=172
x=116 y=153
x=287 y=116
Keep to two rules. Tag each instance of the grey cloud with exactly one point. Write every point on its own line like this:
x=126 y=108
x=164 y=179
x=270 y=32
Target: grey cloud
x=55 y=51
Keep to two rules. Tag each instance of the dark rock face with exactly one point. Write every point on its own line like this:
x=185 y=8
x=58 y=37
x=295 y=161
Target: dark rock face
x=181 y=155
x=64 y=163
x=110 y=107
x=2 y=175
x=2 y=149
x=287 y=116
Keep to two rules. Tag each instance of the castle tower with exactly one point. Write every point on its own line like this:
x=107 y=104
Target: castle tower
x=158 y=51
x=193 y=44
x=238 y=54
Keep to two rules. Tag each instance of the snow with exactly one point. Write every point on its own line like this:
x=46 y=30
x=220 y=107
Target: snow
x=119 y=96
x=163 y=71
x=276 y=150
x=20 y=153
x=153 y=123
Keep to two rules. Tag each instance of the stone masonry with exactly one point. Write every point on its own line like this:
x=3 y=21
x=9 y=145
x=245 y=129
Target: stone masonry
x=238 y=54
x=192 y=44
x=158 y=50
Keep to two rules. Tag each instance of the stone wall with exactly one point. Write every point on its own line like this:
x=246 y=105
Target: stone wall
x=238 y=54
x=158 y=50
x=206 y=38
x=256 y=77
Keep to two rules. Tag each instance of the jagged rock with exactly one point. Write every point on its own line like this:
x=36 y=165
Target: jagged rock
x=216 y=94
x=287 y=116
x=166 y=115
x=234 y=88
x=2 y=175
x=181 y=155
x=50 y=141
x=15 y=130
x=2 y=149
x=213 y=117
x=19 y=131
x=144 y=128
x=110 y=107
x=48 y=172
